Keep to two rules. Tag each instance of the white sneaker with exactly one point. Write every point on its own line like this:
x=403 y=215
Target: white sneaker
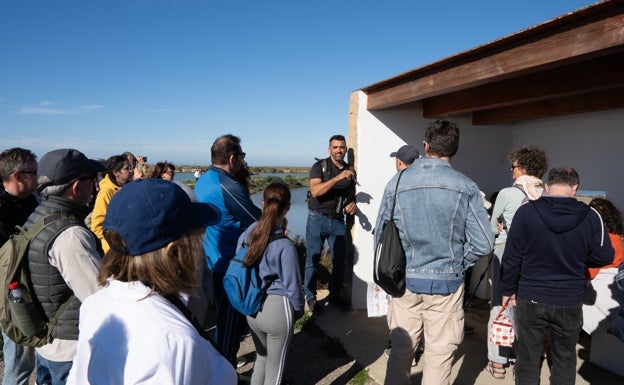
x=387 y=354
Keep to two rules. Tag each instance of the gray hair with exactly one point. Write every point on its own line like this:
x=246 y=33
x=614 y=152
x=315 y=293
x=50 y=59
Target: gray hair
x=55 y=190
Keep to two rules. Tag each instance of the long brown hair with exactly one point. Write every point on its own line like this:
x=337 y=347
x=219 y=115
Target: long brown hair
x=168 y=270
x=275 y=203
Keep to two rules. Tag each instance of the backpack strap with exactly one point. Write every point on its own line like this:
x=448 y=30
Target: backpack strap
x=30 y=234
x=396 y=188
x=177 y=302
x=526 y=196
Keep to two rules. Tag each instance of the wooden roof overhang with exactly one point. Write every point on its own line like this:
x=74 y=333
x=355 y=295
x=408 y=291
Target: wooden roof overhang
x=571 y=64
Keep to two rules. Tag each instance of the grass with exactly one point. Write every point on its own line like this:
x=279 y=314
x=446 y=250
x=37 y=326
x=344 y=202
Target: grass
x=360 y=378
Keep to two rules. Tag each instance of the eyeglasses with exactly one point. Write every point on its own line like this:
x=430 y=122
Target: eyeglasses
x=129 y=168
x=241 y=155
x=27 y=171
x=514 y=166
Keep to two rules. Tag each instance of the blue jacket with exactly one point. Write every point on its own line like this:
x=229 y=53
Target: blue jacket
x=237 y=212
x=280 y=258
x=443 y=225
x=551 y=242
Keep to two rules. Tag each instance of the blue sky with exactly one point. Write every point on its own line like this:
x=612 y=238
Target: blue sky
x=164 y=78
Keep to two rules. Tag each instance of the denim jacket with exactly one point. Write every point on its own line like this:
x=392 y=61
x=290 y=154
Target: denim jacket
x=443 y=225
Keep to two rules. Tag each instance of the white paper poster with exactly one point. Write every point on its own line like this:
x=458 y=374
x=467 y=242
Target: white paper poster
x=376 y=301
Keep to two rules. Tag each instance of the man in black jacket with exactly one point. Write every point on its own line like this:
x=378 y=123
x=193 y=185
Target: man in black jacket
x=552 y=241
x=18 y=171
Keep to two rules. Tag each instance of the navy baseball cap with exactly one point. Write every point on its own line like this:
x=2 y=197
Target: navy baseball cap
x=407 y=153
x=59 y=167
x=150 y=213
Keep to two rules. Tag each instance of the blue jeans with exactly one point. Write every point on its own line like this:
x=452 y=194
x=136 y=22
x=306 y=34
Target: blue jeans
x=561 y=324
x=319 y=229
x=19 y=362
x=58 y=370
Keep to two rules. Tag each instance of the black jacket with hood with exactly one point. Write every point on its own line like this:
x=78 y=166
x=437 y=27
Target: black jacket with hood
x=551 y=242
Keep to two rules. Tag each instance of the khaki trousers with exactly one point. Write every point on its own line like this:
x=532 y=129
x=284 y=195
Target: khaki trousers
x=437 y=318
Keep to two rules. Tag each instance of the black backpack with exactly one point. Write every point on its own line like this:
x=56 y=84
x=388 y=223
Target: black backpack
x=389 y=268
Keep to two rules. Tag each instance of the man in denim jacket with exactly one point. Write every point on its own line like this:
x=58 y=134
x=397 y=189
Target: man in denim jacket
x=444 y=229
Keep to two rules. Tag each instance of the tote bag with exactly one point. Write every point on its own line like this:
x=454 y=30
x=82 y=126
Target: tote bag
x=389 y=269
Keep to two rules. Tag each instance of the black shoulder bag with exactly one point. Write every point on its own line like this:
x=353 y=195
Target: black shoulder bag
x=389 y=269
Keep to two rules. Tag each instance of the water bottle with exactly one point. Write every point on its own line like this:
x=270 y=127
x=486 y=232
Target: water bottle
x=16 y=293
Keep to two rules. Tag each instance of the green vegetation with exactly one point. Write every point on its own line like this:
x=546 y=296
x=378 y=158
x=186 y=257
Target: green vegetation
x=360 y=378
x=258 y=183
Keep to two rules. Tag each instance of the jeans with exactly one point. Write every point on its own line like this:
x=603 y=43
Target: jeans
x=58 y=370
x=320 y=228
x=19 y=362
x=561 y=324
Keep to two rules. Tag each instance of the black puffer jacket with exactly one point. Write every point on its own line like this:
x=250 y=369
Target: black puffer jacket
x=48 y=284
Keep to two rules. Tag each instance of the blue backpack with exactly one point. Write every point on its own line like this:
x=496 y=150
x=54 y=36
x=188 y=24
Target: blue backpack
x=243 y=284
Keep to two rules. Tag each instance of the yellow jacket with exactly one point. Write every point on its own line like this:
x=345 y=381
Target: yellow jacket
x=107 y=190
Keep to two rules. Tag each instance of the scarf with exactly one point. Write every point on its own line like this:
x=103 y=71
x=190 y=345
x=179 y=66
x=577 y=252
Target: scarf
x=532 y=186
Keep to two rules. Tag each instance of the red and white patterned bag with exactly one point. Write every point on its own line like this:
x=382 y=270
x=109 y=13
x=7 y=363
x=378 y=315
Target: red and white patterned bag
x=501 y=329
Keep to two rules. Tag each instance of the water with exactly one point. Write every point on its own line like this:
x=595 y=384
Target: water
x=184 y=176
x=298 y=213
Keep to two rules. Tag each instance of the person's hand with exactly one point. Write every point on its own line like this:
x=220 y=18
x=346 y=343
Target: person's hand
x=499 y=227
x=350 y=208
x=512 y=300
x=346 y=174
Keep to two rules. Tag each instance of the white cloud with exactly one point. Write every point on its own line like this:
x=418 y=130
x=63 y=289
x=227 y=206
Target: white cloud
x=91 y=107
x=44 y=109
x=163 y=109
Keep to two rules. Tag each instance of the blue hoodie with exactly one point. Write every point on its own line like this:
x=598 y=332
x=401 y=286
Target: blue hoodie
x=280 y=259
x=552 y=241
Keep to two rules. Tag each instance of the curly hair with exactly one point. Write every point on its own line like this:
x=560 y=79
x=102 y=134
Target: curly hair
x=610 y=214
x=531 y=158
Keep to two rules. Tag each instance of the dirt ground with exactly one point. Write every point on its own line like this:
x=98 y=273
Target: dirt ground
x=314 y=358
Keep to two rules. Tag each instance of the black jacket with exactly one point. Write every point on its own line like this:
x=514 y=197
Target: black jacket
x=552 y=241
x=13 y=212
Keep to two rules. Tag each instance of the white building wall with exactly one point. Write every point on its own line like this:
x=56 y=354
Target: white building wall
x=590 y=142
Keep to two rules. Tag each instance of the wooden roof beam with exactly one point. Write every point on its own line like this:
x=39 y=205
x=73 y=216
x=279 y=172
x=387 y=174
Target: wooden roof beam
x=593 y=75
x=593 y=101
x=583 y=42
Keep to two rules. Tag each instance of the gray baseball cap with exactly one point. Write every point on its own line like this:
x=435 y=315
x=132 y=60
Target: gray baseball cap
x=407 y=153
x=58 y=167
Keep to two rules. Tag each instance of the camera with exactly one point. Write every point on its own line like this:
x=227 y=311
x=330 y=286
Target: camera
x=340 y=204
x=501 y=220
